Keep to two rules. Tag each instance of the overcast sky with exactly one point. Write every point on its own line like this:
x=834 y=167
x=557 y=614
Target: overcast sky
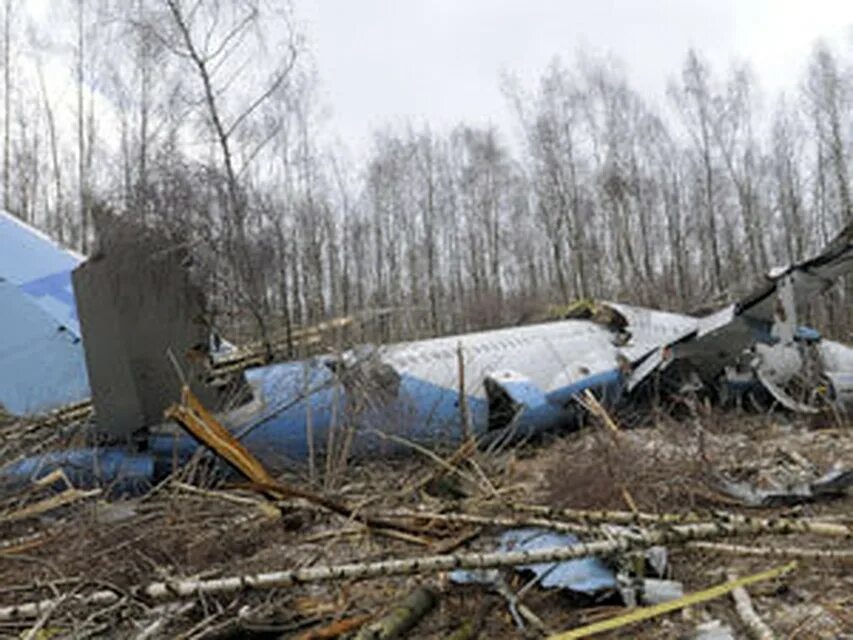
x=440 y=61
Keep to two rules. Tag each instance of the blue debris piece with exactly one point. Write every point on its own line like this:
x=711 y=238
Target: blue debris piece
x=292 y=395
x=807 y=334
x=40 y=268
x=43 y=364
x=114 y=469
x=584 y=575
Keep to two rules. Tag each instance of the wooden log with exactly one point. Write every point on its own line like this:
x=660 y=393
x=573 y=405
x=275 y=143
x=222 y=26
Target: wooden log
x=838 y=555
x=755 y=626
x=495 y=521
x=774 y=525
x=402 y=617
x=465 y=631
x=612 y=517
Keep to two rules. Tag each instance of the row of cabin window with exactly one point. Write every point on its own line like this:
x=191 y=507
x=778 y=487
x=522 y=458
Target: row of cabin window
x=478 y=349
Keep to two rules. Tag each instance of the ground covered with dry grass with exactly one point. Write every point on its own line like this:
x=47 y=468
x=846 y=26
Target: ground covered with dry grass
x=436 y=503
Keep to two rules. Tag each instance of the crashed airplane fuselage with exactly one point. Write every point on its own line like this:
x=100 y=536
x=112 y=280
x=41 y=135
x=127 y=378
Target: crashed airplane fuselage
x=518 y=382
x=508 y=383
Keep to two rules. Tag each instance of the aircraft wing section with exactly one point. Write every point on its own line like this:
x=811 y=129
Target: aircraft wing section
x=39 y=268
x=767 y=316
x=808 y=278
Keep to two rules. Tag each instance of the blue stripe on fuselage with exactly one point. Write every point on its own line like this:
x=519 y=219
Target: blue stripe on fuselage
x=422 y=411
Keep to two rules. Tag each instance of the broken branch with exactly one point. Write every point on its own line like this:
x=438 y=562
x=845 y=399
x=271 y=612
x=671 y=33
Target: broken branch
x=402 y=617
x=840 y=555
x=204 y=426
x=756 y=627
x=336 y=628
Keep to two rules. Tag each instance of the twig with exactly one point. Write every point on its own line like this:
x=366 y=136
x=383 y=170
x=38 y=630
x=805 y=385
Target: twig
x=336 y=628
x=817 y=527
x=425 y=452
x=484 y=479
x=613 y=517
x=517 y=609
x=629 y=500
x=24 y=543
x=67 y=497
x=447 y=546
x=591 y=404
x=33 y=632
x=448 y=465
x=165 y=614
x=270 y=510
x=204 y=426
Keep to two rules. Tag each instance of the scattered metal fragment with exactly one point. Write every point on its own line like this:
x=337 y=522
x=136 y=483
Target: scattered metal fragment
x=648 y=591
x=714 y=630
x=833 y=483
x=586 y=575
x=644 y=613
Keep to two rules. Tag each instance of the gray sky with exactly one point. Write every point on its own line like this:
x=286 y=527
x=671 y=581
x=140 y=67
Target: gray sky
x=439 y=61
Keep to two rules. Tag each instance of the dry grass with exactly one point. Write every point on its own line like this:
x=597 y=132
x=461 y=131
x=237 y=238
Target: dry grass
x=175 y=533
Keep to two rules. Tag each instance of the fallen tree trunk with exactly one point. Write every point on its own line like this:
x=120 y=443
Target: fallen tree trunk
x=839 y=555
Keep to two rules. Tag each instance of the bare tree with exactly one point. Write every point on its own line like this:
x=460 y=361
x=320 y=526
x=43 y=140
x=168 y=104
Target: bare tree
x=694 y=99
x=7 y=98
x=208 y=49
x=830 y=96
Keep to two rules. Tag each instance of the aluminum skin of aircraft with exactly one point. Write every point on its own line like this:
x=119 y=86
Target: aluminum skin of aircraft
x=518 y=381
x=42 y=363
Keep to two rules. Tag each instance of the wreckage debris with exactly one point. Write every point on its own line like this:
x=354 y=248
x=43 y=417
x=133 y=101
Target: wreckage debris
x=714 y=630
x=832 y=484
x=679 y=534
x=496 y=386
x=585 y=575
x=484 y=392
x=42 y=364
x=645 y=613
